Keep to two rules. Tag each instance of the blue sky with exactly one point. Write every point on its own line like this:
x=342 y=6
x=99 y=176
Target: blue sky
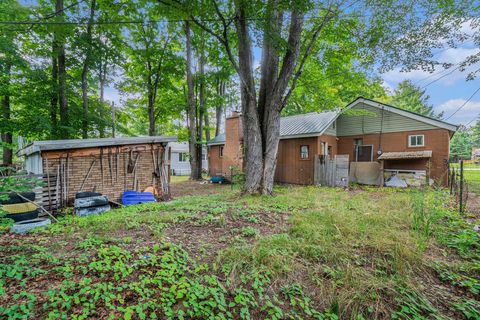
x=450 y=92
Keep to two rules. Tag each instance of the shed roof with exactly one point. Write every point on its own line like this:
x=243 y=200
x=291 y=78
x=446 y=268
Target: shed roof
x=50 y=145
x=405 y=155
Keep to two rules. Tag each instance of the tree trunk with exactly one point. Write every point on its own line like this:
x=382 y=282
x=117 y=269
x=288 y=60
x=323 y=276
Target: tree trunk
x=192 y=126
x=62 y=78
x=201 y=112
x=150 y=103
x=7 y=136
x=103 y=79
x=252 y=135
x=86 y=64
x=54 y=92
x=206 y=120
x=219 y=108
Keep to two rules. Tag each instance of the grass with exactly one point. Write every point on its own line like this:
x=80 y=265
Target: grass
x=472 y=176
x=308 y=252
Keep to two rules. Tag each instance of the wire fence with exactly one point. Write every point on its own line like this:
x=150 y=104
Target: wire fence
x=458 y=186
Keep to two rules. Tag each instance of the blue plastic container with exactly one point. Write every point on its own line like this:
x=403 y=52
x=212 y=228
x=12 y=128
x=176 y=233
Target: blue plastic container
x=218 y=179
x=134 y=197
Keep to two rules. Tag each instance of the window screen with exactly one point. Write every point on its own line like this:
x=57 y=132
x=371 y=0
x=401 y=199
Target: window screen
x=304 y=152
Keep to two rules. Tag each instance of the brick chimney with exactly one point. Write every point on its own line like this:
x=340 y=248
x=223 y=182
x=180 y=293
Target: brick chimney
x=233 y=149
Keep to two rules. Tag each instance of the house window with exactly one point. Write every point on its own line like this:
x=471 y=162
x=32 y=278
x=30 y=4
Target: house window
x=221 y=152
x=182 y=157
x=204 y=156
x=416 y=140
x=363 y=153
x=304 y=152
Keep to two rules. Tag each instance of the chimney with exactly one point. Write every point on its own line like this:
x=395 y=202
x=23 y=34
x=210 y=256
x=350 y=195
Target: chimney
x=232 y=152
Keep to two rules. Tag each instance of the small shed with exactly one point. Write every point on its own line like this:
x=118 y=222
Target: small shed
x=106 y=165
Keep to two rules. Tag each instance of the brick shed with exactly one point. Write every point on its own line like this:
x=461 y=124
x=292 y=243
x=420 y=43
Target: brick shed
x=107 y=165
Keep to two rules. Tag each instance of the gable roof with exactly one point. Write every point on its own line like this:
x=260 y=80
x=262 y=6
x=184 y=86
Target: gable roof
x=316 y=123
x=49 y=145
x=402 y=112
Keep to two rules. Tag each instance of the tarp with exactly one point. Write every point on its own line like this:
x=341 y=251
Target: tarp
x=366 y=173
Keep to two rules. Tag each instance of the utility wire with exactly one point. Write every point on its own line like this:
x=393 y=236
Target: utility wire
x=463 y=105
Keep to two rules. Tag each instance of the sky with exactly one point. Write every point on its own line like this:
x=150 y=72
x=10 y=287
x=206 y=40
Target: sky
x=449 y=92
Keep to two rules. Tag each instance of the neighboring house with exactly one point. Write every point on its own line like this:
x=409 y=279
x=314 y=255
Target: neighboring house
x=476 y=155
x=179 y=159
x=365 y=130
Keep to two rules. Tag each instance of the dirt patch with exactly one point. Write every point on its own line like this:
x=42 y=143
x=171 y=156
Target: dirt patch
x=195 y=188
x=203 y=240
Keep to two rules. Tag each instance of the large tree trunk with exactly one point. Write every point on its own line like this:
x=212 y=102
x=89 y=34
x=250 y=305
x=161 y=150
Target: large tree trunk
x=252 y=135
x=261 y=123
x=62 y=78
x=86 y=64
x=7 y=134
x=192 y=126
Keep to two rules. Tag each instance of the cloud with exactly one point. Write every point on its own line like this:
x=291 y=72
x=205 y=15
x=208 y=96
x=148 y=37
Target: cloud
x=468 y=112
x=451 y=55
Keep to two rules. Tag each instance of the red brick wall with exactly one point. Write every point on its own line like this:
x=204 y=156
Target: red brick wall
x=113 y=185
x=214 y=161
x=437 y=140
x=232 y=151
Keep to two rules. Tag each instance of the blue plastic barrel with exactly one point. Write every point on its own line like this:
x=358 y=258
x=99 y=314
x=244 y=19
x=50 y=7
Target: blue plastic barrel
x=134 y=197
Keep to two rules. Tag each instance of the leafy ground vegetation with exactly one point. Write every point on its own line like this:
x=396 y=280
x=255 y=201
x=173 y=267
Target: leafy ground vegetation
x=308 y=252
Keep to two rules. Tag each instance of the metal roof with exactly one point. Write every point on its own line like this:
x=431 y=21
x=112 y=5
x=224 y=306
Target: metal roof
x=405 y=155
x=314 y=123
x=309 y=124
x=220 y=139
x=50 y=145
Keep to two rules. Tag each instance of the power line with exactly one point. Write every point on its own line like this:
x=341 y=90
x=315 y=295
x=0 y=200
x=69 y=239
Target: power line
x=463 y=105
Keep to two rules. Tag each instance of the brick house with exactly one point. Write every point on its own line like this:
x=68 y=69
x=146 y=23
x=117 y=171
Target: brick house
x=107 y=165
x=365 y=130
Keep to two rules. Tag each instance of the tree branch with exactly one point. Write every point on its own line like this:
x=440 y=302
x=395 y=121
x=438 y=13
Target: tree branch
x=328 y=16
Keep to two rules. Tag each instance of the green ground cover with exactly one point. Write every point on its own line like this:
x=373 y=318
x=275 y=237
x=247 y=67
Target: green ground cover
x=308 y=252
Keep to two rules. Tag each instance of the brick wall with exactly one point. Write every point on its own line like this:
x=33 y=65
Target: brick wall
x=113 y=185
x=214 y=161
x=233 y=148
x=437 y=140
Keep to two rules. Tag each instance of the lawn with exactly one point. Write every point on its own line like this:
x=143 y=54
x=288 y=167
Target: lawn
x=307 y=252
x=472 y=176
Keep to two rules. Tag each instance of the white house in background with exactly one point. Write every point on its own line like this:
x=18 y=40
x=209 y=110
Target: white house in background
x=179 y=163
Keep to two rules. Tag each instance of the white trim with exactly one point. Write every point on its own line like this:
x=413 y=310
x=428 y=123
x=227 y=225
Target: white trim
x=416 y=135
x=216 y=144
x=363 y=145
x=433 y=122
